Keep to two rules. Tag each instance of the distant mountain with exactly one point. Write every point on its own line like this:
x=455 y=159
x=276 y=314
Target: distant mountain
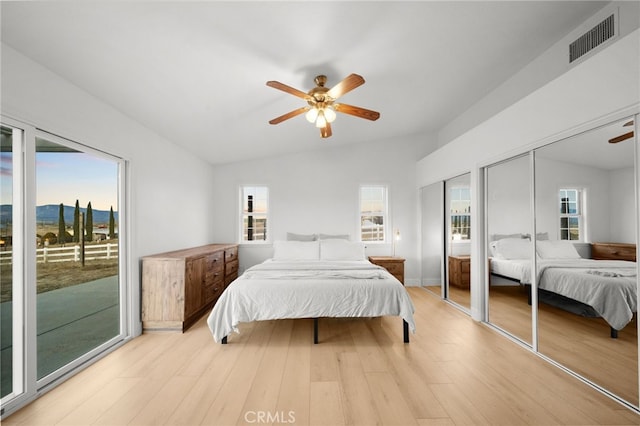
x=49 y=214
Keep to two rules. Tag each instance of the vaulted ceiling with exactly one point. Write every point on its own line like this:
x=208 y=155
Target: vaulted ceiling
x=195 y=72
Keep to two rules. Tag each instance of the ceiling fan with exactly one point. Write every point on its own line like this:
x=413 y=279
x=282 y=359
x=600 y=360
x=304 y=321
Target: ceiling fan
x=624 y=136
x=322 y=105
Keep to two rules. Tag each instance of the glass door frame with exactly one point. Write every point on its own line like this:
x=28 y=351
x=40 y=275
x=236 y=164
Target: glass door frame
x=27 y=386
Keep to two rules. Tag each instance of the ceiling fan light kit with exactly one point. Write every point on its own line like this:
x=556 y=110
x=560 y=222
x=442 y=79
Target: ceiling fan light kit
x=322 y=106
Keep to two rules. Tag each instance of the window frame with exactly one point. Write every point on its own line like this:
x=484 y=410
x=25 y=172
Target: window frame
x=579 y=215
x=384 y=214
x=241 y=215
x=453 y=214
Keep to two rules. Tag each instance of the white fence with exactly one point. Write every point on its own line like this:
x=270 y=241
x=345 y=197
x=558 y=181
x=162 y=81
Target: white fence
x=68 y=254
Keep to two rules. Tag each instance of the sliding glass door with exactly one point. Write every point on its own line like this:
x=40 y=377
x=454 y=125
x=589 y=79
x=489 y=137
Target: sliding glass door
x=11 y=338
x=77 y=262
x=62 y=288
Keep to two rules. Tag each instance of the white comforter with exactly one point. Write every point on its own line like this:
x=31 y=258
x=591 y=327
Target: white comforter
x=314 y=289
x=608 y=286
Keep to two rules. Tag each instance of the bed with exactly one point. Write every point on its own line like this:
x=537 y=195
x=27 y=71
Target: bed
x=311 y=279
x=603 y=288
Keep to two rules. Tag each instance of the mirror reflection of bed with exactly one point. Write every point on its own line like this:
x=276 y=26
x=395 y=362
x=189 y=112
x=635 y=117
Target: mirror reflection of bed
x=572 y=332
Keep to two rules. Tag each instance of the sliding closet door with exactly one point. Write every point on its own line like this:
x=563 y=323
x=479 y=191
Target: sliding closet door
x=510 y=250
x=432 y=217
x=457 y=208
x=586 y=208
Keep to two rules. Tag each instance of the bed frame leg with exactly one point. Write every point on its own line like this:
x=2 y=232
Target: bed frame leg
x=614 y=333
x=224 y=340
x=315 y=331
x=405 y=329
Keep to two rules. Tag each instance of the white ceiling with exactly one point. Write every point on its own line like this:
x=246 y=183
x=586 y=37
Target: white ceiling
x=195 y=72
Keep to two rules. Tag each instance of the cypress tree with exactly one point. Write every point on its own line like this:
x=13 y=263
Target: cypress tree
x=61 y=226
x=76 y=223
x=89 y=222
x=112 y=224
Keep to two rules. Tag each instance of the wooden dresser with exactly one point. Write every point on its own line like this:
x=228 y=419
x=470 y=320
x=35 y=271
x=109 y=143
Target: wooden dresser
x=460 y=271
x=613 y=251
x=395 y=265
x=179 y=287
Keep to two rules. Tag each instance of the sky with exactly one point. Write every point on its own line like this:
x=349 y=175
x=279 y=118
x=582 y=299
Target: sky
x=66 y=177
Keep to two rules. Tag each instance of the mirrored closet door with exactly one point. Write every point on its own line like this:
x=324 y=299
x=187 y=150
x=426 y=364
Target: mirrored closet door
x=432 y=216
x=509 y=247
x=585 y=219
x=457 y=210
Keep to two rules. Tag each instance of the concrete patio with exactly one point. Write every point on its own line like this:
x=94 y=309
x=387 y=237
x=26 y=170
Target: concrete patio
x=70 y=322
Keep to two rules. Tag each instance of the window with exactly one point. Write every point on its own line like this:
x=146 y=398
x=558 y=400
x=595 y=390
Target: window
x=373 y=213
x=570 y=214
x=255 y=202
x=460 y=212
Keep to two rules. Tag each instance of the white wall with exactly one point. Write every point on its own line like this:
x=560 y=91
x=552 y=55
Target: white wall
x=509 y=197
x=317 y=192
x=622 y=216
x=432 y=232
x=548 y=66
x=170 y=189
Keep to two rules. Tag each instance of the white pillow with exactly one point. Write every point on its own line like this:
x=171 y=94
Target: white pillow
x=561 y=249
x=338 y=249
x=296 y=250
x=301 y=237
x=333 y=237
x=511 y=248
x=496 y=237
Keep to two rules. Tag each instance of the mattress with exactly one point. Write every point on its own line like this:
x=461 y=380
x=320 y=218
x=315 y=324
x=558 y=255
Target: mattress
x=515 y=268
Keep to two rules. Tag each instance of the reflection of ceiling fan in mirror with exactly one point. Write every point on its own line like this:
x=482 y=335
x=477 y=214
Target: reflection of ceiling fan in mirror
x=624 y=136
x=322 y=106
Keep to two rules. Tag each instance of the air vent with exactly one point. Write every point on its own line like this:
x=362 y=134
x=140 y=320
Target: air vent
x=592 y=38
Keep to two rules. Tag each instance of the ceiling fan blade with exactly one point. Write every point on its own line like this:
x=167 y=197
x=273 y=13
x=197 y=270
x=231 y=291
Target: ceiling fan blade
x=357 y=111
x=621 y=138
x=289 y=115
x=325 y=131
x=628 y=123
x=288 y=89
x=345 y=86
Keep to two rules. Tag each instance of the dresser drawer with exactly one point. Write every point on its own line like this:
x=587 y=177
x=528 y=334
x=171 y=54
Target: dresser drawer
x=231 y=268
x=215 y=261
x=231 y=254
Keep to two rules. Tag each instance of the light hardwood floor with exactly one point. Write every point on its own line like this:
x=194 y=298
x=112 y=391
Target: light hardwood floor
x=454 y=371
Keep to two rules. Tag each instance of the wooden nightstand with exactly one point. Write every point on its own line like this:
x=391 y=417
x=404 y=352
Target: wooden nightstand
x=395 y=265
x=460 y=271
